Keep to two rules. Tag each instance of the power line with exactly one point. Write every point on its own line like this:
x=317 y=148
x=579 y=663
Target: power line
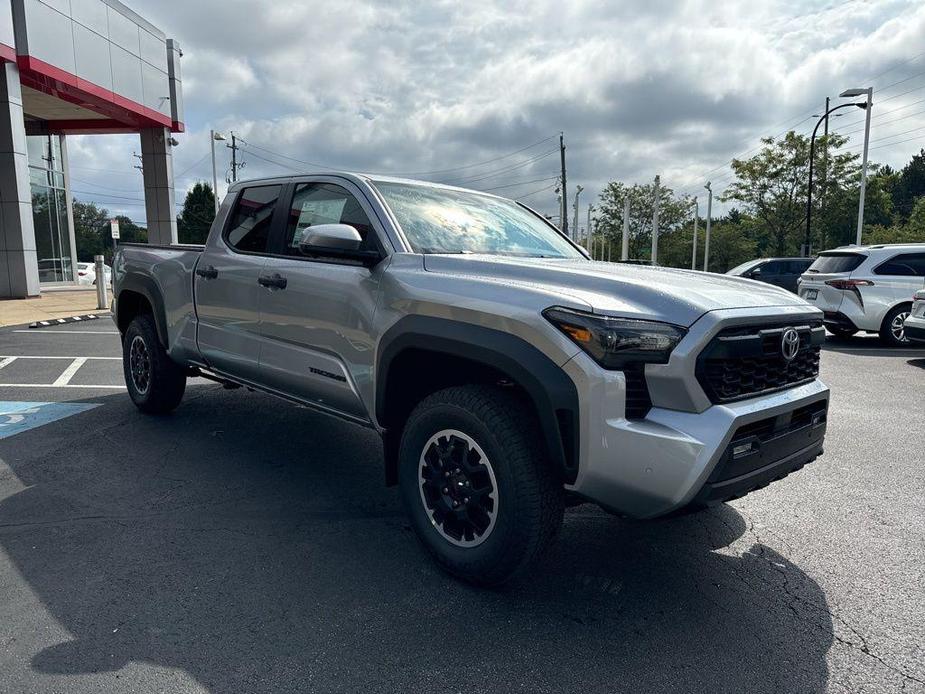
x=539 y=190
x=512 y=185
x=506 y=169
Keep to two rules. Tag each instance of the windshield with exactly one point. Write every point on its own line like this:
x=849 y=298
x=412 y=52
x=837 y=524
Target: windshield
x=836 y=262
x=439 y=220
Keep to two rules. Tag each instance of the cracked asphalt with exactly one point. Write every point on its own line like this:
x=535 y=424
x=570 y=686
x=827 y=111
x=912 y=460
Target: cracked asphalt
x=246 y=545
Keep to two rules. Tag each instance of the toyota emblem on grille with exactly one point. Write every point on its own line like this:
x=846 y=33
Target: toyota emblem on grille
x=790 y=344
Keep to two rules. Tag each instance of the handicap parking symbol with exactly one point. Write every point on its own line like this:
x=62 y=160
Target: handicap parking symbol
x=17 y=417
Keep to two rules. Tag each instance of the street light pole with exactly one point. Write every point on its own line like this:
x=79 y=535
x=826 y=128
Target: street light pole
x=655 y=222
x=694 y=247
x=870 y=102
x=812 y=157
x=706 y=236
x=213 y=136
x=578 y=190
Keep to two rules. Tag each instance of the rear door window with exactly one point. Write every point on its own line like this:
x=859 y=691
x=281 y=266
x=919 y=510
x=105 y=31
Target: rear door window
x=829 y=263
x=249 y=228
x=903 y=265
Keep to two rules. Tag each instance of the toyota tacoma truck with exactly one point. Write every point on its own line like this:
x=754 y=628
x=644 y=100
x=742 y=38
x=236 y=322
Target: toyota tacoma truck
x=508 y=375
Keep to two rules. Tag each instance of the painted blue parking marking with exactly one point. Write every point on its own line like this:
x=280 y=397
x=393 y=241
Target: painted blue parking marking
x=17 y=417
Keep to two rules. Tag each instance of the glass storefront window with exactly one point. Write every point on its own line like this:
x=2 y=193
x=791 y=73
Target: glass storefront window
x=49 y=209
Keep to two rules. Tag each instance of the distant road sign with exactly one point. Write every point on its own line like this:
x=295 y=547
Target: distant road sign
x=114 y=228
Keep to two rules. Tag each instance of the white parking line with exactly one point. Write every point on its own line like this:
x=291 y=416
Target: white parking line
x=68 y=332
x=69 y=372
x=22 y=356
x=52 y=385
x=6 y=361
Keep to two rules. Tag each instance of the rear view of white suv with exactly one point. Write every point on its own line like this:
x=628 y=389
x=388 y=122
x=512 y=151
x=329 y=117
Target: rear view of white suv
x=866 y=288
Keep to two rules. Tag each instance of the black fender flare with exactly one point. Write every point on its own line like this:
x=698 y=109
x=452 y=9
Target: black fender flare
x=146 y=287
x=550 y=389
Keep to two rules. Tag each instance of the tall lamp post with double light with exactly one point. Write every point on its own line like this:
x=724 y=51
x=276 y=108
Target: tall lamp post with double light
x=812 y=156
x=849 y=94
x=213 y=137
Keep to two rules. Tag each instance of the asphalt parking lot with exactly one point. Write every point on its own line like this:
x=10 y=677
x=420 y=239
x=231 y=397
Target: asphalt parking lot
x=246 y=545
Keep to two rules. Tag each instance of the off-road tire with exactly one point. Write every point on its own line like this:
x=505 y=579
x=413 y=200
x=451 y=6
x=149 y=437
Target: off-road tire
x=530 y=495
x=161 y=391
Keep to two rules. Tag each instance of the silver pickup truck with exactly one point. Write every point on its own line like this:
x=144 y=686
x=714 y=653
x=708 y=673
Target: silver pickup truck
x=508 y=375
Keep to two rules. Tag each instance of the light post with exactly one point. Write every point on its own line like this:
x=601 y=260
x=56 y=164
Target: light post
x=694 y=245
x=706 y=235
x=847 y=94
x=213 y=136
x=812 y=156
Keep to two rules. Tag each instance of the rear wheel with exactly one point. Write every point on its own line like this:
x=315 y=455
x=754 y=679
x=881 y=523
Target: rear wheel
x=154 y=382
x=892 y=332
x=480 y=492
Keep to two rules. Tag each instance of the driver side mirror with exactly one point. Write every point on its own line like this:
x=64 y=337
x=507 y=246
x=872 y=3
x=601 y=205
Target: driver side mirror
x=340 y=241
x=755 y=274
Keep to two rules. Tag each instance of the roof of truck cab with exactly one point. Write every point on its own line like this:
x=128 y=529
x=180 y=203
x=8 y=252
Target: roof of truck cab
x=356 y=177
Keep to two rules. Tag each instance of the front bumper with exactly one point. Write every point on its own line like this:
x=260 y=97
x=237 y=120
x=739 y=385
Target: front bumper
x=914 y=328
x=672 y=459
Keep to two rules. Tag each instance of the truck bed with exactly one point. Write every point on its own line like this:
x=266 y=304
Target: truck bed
x=163 y=274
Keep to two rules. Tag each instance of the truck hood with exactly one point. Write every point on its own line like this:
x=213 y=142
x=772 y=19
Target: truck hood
x=637 y=291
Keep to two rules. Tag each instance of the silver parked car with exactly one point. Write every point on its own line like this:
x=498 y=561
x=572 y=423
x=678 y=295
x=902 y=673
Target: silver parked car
x=915 y=324
x=866 y=288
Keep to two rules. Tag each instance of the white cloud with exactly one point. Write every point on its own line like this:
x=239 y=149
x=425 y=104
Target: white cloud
x=639 y=88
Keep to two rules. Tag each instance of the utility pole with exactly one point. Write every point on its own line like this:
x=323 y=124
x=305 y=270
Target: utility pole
x=694 y=246
x=870 y=104
x=625 y=252
x=655 y=222
x=234 y=157
x=140 y=164
x=578 y=190
x=564 y=205
x=706 y=238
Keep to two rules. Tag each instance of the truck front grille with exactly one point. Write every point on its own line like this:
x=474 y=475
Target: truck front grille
x=746 y=361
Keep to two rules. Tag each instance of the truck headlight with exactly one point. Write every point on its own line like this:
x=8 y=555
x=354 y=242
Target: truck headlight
x=616 y=342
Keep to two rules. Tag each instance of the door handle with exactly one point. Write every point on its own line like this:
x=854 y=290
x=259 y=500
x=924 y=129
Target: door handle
x=208 y=272
x=274 y=281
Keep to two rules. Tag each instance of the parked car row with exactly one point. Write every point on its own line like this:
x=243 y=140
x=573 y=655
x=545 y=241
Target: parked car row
x=86 y=273
x=859 y=288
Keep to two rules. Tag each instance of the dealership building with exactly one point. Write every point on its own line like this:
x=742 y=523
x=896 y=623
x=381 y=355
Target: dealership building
x=77 y=67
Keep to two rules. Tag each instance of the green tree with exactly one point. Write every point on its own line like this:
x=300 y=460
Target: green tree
x=910 y=186
x=772 y=185
x=198 y=212
x=673 y=212
x=91 y=229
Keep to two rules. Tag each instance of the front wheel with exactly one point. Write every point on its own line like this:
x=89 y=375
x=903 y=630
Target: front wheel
x=892 y=332
x=154 y=382
x=480 y=492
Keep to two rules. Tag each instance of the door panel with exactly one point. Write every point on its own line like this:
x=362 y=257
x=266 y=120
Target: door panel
x=227 y=293
x=317 y=331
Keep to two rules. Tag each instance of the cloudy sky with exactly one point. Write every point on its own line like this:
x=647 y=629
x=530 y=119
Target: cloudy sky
x=476 y=93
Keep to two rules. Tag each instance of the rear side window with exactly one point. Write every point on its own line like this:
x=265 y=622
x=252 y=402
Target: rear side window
x=903 y=265
x=249 y=229
x=797 y=267
x=836 y=262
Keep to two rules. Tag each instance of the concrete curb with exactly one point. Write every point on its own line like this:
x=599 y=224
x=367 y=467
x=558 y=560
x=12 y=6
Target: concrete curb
x=70 y=319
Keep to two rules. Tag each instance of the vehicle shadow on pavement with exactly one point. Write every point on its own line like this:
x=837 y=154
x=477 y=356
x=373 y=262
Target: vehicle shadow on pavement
x=252 y=545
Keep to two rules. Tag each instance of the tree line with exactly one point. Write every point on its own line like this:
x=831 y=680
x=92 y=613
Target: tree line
x=92 y=230
x=768 y=214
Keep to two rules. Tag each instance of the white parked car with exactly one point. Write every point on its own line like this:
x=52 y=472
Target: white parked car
x=915 y=324
x=86 y=273
x=866 y=288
